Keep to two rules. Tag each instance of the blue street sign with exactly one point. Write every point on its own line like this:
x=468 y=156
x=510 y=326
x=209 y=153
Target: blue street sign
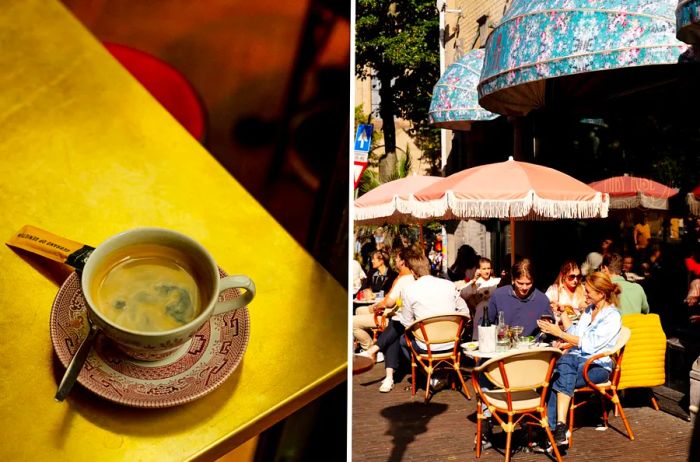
x=363 y=138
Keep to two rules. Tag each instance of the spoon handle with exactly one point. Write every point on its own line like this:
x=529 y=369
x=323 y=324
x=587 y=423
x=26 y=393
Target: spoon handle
x=75 y=365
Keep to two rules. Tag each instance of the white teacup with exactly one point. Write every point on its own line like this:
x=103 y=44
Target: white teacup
x=151 y=289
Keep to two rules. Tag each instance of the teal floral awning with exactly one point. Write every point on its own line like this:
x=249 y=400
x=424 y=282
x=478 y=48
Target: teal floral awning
x=539 y=41
x=455 y=102
x=688 y=21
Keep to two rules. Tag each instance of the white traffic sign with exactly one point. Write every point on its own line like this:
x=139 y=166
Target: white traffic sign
x=362 y=157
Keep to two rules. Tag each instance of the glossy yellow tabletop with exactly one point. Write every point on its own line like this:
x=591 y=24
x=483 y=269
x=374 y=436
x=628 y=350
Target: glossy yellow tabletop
x=85 y=152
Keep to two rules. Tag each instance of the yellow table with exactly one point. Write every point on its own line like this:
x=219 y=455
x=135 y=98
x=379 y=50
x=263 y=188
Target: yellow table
x=85 y=152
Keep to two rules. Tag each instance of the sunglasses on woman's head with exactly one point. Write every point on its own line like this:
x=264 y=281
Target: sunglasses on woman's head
x=571 y=277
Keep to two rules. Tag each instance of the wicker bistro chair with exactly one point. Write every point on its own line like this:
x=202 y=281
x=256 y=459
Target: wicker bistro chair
x=606 y=391
x=380 y=322
x=520 y=382
x=434 y=330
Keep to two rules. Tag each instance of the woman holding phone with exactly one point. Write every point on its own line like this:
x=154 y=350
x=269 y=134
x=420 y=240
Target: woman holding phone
x=597 y=330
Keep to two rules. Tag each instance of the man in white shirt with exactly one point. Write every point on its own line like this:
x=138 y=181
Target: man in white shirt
x=430 y=296
x=427 y=296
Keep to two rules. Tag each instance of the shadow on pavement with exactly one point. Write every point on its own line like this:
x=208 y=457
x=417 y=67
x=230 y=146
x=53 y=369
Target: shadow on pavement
x=406 y=422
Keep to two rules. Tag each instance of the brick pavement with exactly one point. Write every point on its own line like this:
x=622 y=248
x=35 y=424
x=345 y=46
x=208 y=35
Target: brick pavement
x=393 y=427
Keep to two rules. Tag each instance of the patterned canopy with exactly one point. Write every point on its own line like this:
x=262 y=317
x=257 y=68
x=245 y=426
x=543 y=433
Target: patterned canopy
x=548 y=53
x=688 y=21
x=455 y=103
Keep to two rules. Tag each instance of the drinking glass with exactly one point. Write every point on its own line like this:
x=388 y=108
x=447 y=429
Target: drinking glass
x=515 y=333
x=502 y=344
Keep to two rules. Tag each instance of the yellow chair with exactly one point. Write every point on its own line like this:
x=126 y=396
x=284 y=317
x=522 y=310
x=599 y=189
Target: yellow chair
x=606 y=390
x=645 y=354
x=520 y=382
x=435 y=330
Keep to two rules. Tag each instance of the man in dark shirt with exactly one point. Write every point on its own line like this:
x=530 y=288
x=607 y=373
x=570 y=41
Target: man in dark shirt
x=522 y=304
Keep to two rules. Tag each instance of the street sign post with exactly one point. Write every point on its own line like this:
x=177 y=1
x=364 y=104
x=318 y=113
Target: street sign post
x=363 y=144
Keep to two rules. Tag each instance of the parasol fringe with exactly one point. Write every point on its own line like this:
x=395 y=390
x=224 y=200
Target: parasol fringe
x=479 y=208
x=405 y=205
x=437 y=208
x=530 y=207
x=640 y=200
x=596 y=208
x=693 y=204
x=375 y=211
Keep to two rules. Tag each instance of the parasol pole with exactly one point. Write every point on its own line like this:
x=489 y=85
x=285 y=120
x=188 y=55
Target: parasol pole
x=421 y=239
x=512 y=241
x=517 y=155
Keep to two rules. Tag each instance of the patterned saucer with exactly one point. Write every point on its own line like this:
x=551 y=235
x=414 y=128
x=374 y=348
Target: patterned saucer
x=191 y=372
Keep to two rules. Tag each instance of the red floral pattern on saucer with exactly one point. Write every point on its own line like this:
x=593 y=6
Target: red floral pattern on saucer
x=191 y=372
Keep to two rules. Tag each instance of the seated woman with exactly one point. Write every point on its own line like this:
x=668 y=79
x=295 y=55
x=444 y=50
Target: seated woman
x=567 y=294
x=382 y=276
x=597 y=331
x=364 y=316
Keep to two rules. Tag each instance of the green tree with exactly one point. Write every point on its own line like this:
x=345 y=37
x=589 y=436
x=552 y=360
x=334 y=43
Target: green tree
x=398 y=42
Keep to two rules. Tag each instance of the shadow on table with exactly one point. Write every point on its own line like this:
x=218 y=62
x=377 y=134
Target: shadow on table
x=406 y=422
x=52 y=270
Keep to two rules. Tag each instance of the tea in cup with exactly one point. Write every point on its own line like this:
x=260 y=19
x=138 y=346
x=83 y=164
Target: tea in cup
x=151 y=289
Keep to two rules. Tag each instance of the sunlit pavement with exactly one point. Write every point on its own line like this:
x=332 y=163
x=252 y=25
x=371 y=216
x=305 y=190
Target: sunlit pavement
x=396 y=427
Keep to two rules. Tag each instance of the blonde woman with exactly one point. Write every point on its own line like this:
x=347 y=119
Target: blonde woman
x=597 y=330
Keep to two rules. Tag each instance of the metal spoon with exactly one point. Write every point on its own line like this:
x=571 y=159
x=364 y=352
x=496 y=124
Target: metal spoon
x=76 y=364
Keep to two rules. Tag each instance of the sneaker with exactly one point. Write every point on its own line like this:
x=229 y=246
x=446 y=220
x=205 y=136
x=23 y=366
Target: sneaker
x=380 y=357
x=542 y=444
x=387 y=385
x=561 y=434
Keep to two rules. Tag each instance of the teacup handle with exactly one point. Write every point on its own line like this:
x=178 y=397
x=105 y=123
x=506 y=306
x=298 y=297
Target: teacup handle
x=238 y=281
